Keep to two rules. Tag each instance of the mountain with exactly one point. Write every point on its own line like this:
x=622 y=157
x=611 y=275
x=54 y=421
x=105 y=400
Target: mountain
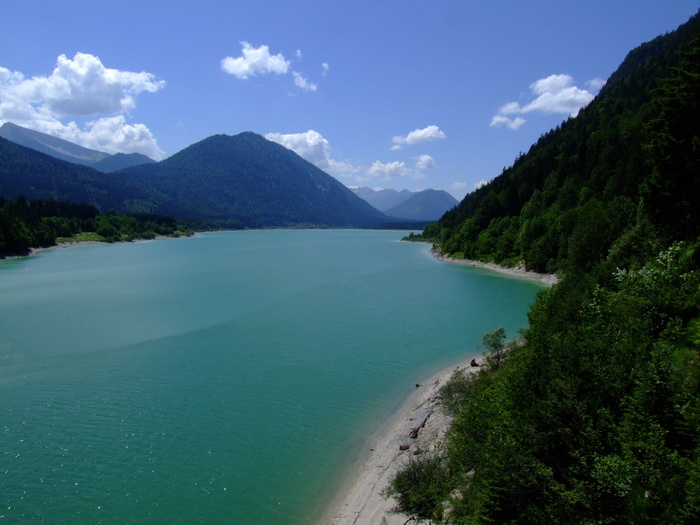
x=594 y=415
x=254 y=180
x=55 y=147
x=382 y=199
x=426 y=205
x=120 y=161
x=240 y=181
x=35 y=175
x=68 y=151
x=581 y=186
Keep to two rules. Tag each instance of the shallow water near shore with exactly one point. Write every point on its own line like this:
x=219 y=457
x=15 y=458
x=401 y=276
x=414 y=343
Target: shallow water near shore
x=231 y=377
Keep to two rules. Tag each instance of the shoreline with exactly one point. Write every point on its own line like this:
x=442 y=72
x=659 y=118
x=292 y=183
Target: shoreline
x=549 y=279
x=360 y=501
x=75 y=244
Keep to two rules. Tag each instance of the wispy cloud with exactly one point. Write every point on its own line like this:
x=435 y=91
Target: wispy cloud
x=303 y=83
x=553 y=94
x=417 y=136
x=81 y=87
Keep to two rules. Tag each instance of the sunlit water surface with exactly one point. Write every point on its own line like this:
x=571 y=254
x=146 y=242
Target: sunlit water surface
x=226 y=378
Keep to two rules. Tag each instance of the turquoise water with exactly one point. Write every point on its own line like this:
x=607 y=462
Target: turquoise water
x=226 y=378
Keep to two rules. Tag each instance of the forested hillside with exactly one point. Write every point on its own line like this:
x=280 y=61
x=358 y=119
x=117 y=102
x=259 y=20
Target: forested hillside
x=254 y=181
x=594 y=415
x=582 y=185
x=242 y=181
x=41 y=223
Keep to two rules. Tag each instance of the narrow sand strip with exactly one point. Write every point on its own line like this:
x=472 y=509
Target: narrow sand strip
x=546 y=278
x=361 y=503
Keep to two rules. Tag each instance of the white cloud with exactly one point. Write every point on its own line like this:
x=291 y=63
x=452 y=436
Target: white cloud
x=553 y=94
x=417 y=136
x=325 y=68
x=425 y=162
x=304 y=84
x=255 y=61
x=499 y=120
x=311 y=146
x=81 y=87
x=595 y=84
x=390 y=170
x=480 y=184
x=259 y=61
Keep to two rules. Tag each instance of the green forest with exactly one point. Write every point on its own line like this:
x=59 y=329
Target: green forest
x=43 y=223
x=592 y=413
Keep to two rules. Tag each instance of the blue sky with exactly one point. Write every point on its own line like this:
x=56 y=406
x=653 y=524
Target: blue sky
x=379 y=93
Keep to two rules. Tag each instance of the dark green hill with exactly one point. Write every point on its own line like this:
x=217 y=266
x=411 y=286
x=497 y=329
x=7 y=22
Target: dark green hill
x=594 y=414
x=25 y=172
x=251 y=179
x=580 y=187
x=426 y=205
x=241 y=181
x=120 y=161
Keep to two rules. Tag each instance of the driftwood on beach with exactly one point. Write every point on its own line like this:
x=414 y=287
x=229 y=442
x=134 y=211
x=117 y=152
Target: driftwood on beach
x=413 y=434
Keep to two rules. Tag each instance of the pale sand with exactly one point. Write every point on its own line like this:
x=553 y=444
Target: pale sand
x=518 y=271
x=361 y=503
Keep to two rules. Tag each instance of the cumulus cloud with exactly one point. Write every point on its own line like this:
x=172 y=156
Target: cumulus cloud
x=417 y=136
x=312 y=146
x=425 y=162
x=553 y=94
x=391 y=170
x=480 y=184
x=258 y=61
x=81 y=87
x=255 y=61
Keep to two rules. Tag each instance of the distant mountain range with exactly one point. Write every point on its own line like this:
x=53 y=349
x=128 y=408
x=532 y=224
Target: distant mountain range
x=232 y=181
x=426 y=205
x=70 y=152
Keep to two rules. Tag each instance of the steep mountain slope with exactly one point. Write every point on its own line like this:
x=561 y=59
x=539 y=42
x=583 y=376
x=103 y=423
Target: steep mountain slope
x=68 y=151
x=580 y=187
x=426 y=205
x=254 y=180
x=241 y=181
x=53 y=146
x=34 y=175
x=594 y=416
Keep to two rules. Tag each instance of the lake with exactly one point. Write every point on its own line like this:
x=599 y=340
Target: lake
x=230 y=377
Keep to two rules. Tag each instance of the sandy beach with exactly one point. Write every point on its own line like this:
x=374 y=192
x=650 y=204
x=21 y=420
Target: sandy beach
x=361 y=503
x=546 y=278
